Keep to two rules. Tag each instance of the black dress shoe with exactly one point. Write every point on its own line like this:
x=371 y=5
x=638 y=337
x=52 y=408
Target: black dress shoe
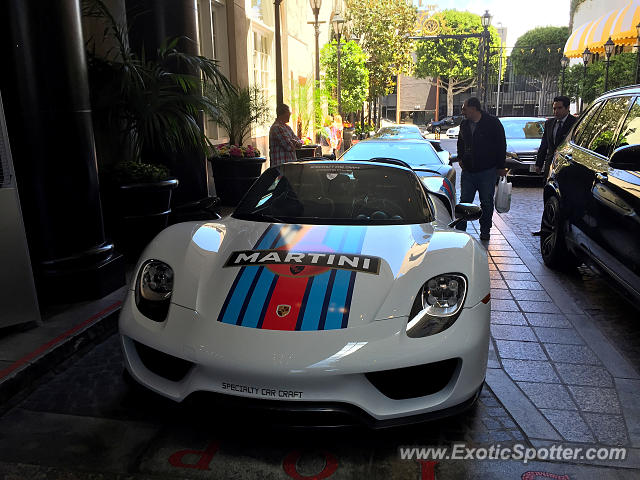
x=536 y=233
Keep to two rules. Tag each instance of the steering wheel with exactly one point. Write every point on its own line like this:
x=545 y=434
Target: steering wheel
x=381 y=207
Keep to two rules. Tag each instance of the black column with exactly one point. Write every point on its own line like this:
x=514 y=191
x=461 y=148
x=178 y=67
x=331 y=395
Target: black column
x=49 y=121
x=152 y=22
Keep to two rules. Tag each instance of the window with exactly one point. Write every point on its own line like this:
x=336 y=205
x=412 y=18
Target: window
x=580 y=134
x=344 y=193
x=256 y=9
x=522 y=129
x=263 y=11
x=605 y=125
x=261 y=50
x=630 y=132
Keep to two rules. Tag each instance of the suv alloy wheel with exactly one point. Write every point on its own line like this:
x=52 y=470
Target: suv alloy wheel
x=552 y=242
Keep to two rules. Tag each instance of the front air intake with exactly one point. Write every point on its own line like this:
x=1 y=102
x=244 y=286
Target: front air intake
x=164 y=365
x=413 y=382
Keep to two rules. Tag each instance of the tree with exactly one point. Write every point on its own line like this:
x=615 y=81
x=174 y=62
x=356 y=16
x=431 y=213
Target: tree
x=589 y=87
x=455 y=61
x=305 y=108
x=354 y=76
x=383 y=28
x=537 y=53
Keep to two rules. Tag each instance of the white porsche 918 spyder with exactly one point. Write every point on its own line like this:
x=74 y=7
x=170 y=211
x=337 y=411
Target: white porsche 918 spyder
x=336 y=286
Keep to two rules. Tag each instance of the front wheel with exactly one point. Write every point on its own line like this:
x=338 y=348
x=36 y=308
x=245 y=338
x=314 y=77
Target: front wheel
x=553 y=246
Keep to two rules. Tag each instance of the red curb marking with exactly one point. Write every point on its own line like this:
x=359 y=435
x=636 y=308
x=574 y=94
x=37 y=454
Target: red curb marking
x=58 y=339
x=427 y=471
x=290 y=461
x=205 y=457
x=534 y=475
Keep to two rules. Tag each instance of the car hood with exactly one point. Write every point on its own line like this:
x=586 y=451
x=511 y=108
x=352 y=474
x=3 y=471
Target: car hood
x=310 y=277
x=443 y=170
x=526 y=145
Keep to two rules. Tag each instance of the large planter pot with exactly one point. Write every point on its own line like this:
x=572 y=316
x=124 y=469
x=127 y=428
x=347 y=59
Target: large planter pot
x=135 y=213
x=233 y=177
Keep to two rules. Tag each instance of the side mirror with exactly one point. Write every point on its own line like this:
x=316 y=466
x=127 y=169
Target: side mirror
x=453 y=158
x=466 y=212
x=626 y=158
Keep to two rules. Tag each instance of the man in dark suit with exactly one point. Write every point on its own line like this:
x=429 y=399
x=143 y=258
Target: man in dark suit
x=555 y=131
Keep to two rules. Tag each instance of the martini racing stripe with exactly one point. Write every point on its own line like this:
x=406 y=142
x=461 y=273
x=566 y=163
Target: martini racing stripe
x=446 y=187
x=268 y=298
x=259 y=294
x=288 y=291
x=320 y=289
x=234 y=302
x=338 y=312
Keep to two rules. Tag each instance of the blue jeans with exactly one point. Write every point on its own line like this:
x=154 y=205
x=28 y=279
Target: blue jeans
x=483 y=182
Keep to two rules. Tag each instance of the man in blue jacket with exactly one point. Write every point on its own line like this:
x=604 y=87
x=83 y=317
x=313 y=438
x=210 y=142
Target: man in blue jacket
x=482 y=149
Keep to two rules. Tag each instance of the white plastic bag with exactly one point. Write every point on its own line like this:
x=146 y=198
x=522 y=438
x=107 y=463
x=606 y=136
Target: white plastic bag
x=503 y=195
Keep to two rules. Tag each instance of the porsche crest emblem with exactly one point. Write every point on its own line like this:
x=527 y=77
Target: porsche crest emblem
x=296 y=269
x=283 y=310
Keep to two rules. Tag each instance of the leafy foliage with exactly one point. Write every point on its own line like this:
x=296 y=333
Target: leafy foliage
x=455 y=61
x=236 y=110
x=302 y=104
x=537 y=53
x=128 y=171
x=354 y=76
x=383 y=28
x=140 y=105
x=621 y=72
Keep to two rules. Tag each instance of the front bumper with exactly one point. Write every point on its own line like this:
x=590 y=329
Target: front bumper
x=519 y=167
x=309 y=368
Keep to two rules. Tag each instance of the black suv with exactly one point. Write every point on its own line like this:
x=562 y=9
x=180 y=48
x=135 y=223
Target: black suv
x=592 y=195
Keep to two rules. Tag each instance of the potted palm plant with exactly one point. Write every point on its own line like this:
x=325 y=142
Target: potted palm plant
x=235 y=167
x=144 y=109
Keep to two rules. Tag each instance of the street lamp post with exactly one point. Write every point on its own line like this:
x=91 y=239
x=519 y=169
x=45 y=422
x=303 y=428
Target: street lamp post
x=278 y=48
x=638 y=53
x=608 y=50
x=338 y=26
x=315 y=8
x=486 y=21
x=564 y=63
x=586 y=58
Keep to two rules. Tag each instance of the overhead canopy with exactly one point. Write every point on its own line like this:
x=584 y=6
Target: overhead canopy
x=619 y=24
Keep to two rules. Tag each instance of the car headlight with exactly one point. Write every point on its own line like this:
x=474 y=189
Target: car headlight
x=154 y=286
x=437 y=305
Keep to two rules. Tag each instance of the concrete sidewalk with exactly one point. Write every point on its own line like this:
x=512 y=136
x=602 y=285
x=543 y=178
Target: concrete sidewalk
x=28 y=355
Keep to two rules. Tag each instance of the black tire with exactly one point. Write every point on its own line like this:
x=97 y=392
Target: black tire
x=553 y=246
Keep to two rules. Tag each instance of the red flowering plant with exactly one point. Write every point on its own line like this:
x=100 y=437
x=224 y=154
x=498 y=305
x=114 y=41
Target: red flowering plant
x=235 y=151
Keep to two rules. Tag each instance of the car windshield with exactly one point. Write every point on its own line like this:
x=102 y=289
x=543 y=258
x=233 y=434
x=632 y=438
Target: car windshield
x=399 y=132
x=523 y=128
x=415 y=154
x=335 y=193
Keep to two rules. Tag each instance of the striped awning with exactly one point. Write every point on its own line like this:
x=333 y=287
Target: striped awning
x=619 y=24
